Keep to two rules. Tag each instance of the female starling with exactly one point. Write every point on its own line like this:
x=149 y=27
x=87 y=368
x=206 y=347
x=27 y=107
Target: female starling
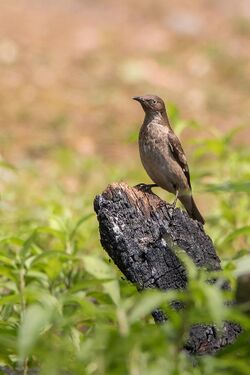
x=162 y=155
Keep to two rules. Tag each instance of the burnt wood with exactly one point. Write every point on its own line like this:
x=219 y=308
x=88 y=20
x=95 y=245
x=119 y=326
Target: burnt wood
x=139 y=231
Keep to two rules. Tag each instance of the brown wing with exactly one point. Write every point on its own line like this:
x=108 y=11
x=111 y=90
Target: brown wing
x=178 y=154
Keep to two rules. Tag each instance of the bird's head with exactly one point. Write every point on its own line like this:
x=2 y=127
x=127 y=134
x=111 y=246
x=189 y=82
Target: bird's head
x=151 y=103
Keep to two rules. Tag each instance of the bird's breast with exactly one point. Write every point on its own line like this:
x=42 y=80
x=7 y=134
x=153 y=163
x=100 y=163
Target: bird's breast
x=156 y=156
x=153 y=143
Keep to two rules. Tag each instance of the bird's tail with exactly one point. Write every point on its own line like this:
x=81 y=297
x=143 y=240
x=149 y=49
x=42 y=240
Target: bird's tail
x=195 y=213
x=191 y=208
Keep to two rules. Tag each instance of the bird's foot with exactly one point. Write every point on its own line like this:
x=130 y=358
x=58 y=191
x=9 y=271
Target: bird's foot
x=175 y=200
x=146 y=188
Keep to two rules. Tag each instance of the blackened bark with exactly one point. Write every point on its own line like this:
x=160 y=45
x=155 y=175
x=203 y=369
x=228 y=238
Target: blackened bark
x=139 y=232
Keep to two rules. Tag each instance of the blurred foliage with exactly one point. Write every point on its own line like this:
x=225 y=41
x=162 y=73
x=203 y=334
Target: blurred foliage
x=69 y=129
x=65 y=308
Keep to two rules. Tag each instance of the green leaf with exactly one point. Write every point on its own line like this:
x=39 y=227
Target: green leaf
x=50 y=254
x=236 y=233
x=27 y=244
x=75 y=337
x=36 y=318
x=58 y=224
x=8 y=273
x=79 y=223
x=113 y=290
x=242 y=266
x=147 y=302
x=53 y=231
x=99 y=269
x=6 y=312
x=87 y=308
x=12 y=240
x=215 y=303
x=11 y=299
x=7 y=261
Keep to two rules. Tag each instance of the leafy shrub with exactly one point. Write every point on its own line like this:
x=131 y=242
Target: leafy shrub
x=66 y=309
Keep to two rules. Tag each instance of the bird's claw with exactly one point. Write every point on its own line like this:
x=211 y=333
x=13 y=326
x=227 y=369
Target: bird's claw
x=146 y=188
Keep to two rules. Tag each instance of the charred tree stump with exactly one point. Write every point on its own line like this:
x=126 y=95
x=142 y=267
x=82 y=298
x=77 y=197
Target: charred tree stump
x=138 y=230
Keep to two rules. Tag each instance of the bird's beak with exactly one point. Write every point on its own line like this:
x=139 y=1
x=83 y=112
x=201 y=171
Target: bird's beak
x=138 y=99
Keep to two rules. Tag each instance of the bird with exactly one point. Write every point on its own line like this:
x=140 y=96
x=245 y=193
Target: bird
x=162 y=154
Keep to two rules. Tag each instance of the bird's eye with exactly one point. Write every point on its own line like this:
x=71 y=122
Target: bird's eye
x=153 y=101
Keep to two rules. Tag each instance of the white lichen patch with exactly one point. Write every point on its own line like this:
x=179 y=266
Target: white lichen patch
x=163 y=242
x=153 y=271
x=116 y=228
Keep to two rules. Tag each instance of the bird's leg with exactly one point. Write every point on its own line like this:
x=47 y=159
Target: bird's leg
x=146 y=188
x=176 y=197
x=171 y=211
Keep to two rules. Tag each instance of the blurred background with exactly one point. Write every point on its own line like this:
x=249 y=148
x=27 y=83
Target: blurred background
x=68 y=127
x=68 y=71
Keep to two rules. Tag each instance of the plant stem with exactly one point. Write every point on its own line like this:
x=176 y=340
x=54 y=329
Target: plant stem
x=23 y=307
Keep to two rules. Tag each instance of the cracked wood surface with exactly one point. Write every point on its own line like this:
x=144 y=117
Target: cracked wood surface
x=139 y=230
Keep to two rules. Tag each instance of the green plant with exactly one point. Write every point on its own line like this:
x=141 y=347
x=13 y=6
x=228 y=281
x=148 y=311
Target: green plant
x=65 y=308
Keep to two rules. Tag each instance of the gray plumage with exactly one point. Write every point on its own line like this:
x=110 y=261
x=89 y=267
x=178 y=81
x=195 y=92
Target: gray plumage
x=162 y=155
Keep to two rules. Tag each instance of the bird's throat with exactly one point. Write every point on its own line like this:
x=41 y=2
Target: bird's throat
x=159 y=118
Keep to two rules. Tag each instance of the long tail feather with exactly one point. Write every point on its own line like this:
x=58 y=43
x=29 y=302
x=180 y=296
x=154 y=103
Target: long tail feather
x=189 y=204
x=195 y=213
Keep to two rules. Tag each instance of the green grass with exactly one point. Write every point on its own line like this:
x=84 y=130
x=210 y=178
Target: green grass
x=66 y=309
